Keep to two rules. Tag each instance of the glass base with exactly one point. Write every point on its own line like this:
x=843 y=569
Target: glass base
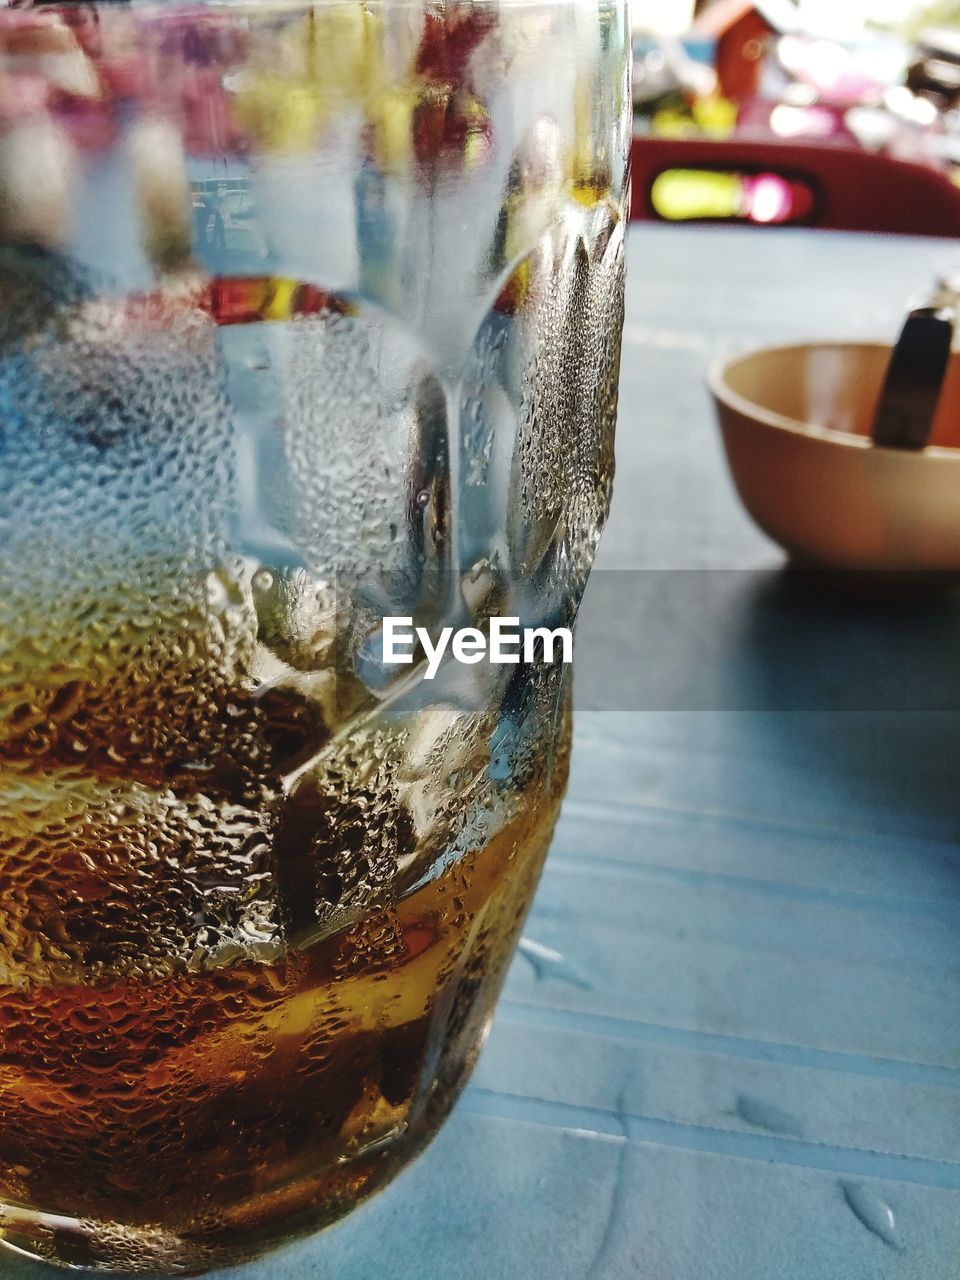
x=230 y=1237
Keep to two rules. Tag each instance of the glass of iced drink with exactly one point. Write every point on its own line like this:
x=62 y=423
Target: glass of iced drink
x=309 y=317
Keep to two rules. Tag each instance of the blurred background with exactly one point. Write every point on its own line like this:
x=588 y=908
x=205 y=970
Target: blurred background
x=734 y=97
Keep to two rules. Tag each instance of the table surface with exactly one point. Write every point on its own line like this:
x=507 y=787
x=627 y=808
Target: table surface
x=729 y=1048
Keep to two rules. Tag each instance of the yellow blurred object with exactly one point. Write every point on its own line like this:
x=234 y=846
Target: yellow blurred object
x=310 y=70
x=280 y=301
x=391 y=115
x=278 y=114
x=477 y=118
x=680 y=194
x=672 y=122
x=582 y=159
x=715 y=116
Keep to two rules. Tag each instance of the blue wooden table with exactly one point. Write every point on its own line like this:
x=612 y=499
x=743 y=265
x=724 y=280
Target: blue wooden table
x=729 y=1048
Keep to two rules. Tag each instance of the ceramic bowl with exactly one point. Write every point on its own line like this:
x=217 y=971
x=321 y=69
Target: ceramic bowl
x=796 y=426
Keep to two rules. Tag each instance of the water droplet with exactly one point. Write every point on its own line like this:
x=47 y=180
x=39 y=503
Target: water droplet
x=547 y=963
x=423 y=498
x=217 y=595
x=262 y=580
x=875 y=1214
x=764 y=1115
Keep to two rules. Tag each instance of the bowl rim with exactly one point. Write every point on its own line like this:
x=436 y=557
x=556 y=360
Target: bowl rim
x=724 y=393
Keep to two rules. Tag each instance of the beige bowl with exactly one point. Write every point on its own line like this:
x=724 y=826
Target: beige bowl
x=796 y=428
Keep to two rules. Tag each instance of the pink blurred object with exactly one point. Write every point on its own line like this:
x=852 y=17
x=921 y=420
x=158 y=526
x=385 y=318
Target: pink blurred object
x=210 y=127
x=825 y=123
x=22 y=96
x=89 y=123
x=830 y=69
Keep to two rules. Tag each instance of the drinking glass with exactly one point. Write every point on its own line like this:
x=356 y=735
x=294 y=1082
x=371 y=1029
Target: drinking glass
x=309 y=317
